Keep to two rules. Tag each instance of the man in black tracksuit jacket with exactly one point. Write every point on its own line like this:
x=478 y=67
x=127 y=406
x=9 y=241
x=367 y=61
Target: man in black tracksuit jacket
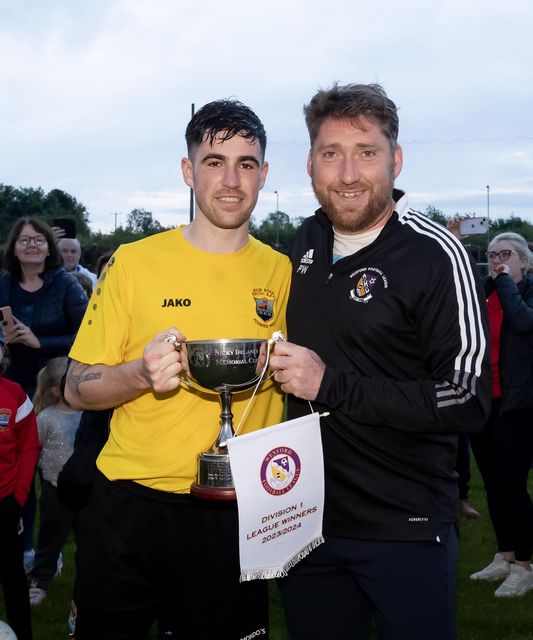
x=387 y=333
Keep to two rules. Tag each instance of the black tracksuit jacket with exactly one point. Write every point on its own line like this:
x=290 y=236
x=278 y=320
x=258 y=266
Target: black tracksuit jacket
x=401 y=326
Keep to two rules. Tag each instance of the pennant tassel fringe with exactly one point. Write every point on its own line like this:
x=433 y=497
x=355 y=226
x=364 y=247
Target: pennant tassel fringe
x=281 y=572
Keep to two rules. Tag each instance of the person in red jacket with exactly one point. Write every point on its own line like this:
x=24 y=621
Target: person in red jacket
x=19 y=449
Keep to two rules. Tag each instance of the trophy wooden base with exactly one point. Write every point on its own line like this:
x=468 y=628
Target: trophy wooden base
x=214 y=480
x=213 y=493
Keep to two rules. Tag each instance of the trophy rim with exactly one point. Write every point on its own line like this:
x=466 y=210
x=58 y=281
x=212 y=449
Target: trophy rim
x=225 y=340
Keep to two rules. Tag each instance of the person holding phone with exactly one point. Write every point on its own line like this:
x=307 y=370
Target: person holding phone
x=47 y=306
x=504 y=448
x=6 y=319
x=469 y=226
x=64 y=228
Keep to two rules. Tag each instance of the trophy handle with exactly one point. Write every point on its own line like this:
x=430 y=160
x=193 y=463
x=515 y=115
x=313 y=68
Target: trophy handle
x=277 y=336
x=183 y=376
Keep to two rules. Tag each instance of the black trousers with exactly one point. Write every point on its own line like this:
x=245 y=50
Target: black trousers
x=12 y=573
x=56 y=521
x=144 y=551
x=28 y=517
x=503 y=452
x=408 y=587
x=463 y=465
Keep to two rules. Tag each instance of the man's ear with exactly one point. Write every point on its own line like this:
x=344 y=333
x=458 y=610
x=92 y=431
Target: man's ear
x=186 y=170
x=398 y=160
x=264 y=173
x=309 y=165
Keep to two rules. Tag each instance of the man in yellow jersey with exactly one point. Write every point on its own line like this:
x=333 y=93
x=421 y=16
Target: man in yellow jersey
x=150 y=546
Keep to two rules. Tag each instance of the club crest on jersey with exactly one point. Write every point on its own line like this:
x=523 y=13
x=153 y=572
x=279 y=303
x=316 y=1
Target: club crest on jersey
x=367 y=282
x=264 y=304
x=5 y=415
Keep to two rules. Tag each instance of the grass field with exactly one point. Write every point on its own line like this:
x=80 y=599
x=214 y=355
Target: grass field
x=480 y=615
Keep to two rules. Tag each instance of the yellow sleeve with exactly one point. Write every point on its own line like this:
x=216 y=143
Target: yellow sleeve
x=104 y=331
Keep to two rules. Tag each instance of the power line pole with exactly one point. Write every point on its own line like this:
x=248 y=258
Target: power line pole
x=488 y=211
x=116 y=215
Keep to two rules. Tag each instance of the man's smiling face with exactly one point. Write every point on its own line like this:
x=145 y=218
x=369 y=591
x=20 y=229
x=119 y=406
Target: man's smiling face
x=352 y=168
x=226 y=177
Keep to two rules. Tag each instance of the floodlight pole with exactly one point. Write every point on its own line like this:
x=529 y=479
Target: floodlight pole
x=277 y=219
x=191 y=194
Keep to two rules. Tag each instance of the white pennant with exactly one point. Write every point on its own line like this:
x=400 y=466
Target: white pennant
x=278 y=474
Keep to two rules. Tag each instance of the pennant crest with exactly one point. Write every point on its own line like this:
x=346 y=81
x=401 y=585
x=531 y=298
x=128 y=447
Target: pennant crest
x=280 y=470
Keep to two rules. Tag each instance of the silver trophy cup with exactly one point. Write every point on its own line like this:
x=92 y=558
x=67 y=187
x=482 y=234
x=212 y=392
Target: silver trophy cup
x=223 y=367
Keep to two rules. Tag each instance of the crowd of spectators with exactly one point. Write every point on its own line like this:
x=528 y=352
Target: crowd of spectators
x=44 y=293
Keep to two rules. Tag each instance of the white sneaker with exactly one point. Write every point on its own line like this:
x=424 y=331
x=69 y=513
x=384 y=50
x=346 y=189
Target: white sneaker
x=520 y=581
x=6 y=632
x=71 y=622
x=498 y=569
x=29 y=557
x=59 y=569
x=37 y=595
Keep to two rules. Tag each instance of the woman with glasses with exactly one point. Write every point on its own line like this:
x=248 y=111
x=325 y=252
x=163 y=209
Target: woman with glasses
x=47 y=303
x=503 y=450
x=47 y=306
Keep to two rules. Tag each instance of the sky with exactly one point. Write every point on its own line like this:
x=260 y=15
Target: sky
x=96 y=95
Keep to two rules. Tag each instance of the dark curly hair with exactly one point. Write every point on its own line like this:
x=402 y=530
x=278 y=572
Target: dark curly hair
x=353 y=101
x=226 y=117
x=12 y=263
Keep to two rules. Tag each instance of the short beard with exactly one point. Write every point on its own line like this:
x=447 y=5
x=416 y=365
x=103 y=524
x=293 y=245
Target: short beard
x=353 y=221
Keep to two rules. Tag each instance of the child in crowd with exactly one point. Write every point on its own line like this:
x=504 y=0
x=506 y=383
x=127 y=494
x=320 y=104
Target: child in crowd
x=76 y=478
x=57 y=424
x=85 y=282
x=19 y=449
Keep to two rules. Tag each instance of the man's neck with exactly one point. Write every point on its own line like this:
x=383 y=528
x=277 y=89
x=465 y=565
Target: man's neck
x=211 y=239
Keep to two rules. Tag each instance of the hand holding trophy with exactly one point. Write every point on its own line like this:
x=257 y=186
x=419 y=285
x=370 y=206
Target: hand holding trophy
x=223 y=366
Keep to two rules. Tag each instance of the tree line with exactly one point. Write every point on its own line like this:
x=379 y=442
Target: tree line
x=277 y=229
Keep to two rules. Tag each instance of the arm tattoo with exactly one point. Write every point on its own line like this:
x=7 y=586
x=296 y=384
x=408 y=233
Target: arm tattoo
x=78 y=379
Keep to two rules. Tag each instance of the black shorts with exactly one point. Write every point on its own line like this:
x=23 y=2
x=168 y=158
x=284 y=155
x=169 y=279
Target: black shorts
x=146 y=551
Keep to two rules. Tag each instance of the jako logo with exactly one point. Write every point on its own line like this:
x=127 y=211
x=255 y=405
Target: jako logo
x=176 y=302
